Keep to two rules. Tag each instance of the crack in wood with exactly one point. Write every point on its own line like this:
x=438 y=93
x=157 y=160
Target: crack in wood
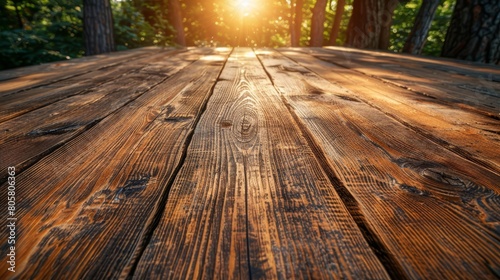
x=177 y=119
x=56 y=129
x=155 y=217
x=391 y=265
x=226 y=123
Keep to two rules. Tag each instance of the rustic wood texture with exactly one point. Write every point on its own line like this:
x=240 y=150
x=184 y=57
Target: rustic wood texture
x=440 y=115
x=19 y=79
x=125 y=162
x=251 y=201
x=318 y=163
x=48 y=120
x=455 y=82
x=397 y=182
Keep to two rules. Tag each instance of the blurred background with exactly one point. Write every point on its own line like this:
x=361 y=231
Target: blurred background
x=38 y=31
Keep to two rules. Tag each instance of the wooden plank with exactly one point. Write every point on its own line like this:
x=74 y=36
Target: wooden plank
x=466 y=68
x=250 y=200
x=19 y=79
x=85 y=210
x=471 y=135
x=434 y=213
x=13 y=105
x=28 y=137
x=471 y=88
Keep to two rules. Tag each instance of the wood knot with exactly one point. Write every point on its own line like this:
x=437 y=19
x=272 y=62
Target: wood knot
x=246 y=124
x=131 y=187
x=245 y=127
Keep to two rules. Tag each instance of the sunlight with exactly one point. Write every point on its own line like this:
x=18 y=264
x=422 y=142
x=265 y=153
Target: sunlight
x=244 y=6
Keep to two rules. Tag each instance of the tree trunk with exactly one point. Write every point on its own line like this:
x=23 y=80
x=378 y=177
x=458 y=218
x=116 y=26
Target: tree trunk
x=474 y=32
x=370 y=24
x=18 y=14
x=317 y=23
x=208 y=22
x=296 y=27
x=386 y=23
x=418 y=35
x=291 y=25
x=98 y=27
x=363 y=30
x=339 y=11
x=174 y=9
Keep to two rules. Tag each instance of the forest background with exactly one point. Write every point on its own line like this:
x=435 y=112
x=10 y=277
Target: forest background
x=39 y=31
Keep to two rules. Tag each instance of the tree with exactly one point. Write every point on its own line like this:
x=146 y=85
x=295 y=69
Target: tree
x=386 y=23
x=18 y=15
x=418 y=35
x=474 y=32
x=364 y=28
x=175 y=13
x=98 y=27
x=296 y=22
x=369 y=26
x=317 y=23
x=203 y=28
x=339 y=11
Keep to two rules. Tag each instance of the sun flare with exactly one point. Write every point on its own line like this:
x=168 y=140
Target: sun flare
x=244 y=6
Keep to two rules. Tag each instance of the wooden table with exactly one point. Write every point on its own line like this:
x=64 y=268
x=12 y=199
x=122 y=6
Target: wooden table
x=238 y=163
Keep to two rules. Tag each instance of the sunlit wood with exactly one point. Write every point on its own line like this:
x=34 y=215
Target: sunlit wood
x=222 y=163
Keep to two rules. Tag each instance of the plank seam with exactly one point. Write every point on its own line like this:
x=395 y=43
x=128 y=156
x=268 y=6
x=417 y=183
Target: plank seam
x=71 y=76
x=155 y=218
x=386 y=81
x=388 y=261
x=81 y=92
x=440 y=142
x=30 y=162
x=246 y=217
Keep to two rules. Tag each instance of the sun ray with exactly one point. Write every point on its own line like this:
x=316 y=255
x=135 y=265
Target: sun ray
x=244 y=6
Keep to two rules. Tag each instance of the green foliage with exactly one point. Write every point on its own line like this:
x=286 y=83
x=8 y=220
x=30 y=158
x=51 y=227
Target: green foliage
x=163 y=30
x=140 y=24
x=51 y=30
x=404 y=16
x=41 y=31
x=330 y=16
x=48 y=32
x=25 y=47
x=130 y=28
x=439 y=27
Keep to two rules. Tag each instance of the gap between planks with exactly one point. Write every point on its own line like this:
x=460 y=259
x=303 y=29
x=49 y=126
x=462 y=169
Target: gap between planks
x=94 y=198
x=252 y=200
x=443 y=124
x=30 y=136
x=351 y=144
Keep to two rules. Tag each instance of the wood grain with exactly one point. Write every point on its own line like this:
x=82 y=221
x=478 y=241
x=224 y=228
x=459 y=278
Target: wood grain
x=250 y=200
x=428 y=206
x=20 y=79
x=476 y=89
x=91 y=225
x=18 y=103
x=471 y=135
x=215 y=163
x=34 y=134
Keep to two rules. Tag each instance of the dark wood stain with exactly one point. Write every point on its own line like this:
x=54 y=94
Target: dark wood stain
x=203 y=163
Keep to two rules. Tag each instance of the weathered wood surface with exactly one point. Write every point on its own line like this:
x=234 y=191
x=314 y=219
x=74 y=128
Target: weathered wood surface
x=314 y=163
x=251 y=199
